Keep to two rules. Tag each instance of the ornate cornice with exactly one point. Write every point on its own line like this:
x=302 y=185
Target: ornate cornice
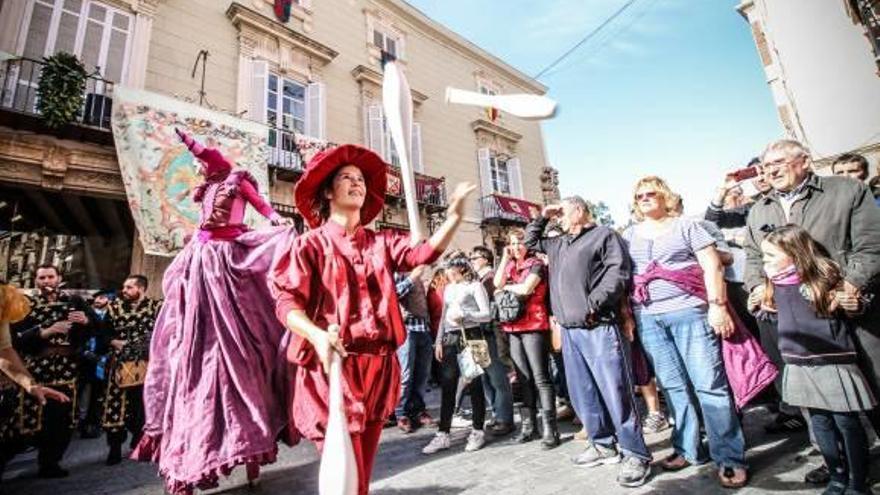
x=52 y=164
x=362 y=74
x=482 y=125
x=239 y=15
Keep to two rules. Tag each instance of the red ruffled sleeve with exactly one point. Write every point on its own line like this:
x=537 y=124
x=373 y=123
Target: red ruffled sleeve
x=290 y=282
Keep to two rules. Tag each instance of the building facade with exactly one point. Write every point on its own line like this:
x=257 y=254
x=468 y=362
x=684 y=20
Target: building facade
x=822 y=60
x=312 y=74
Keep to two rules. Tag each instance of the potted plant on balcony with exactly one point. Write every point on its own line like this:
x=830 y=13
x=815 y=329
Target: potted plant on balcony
x=61 y=89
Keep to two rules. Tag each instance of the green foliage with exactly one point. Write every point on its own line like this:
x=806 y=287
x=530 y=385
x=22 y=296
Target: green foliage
x=61 y=91
x=601 y=214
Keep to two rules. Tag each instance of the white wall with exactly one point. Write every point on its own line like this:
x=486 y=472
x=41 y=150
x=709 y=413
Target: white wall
x=829 y=72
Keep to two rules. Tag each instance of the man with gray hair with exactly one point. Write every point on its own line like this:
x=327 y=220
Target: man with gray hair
x=589 y=272
x=840 y=214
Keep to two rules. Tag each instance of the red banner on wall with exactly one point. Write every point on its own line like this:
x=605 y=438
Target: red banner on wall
x=519 y=207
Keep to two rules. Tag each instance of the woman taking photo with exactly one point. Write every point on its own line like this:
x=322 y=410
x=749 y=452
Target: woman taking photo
x=675 y=258
x=465 y=308
x=525 y=275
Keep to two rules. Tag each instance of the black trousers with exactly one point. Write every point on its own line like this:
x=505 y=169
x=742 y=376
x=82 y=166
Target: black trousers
x=92 y=416
x=134 y=418
x=834 y=430
x=449 y=375
x=54 y=437
x=530 y=352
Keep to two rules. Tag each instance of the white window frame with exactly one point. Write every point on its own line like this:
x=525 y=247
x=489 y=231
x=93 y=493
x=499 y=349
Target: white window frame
x=383 y=144
x=285 y=147
x=57 y=7
x=386 y=39
x=491 y=181
x=376 y=26
x=279 y=102
x=497 y=168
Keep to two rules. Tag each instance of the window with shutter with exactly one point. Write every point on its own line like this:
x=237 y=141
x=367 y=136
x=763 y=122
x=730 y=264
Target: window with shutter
x=259 y=84
x=286 y=117
x=96 y=33
x=484 y=157
x=500 y=175
x=315 y=111
x=374 y=131
x=417 y=163
x=389 y=42
x=514 y=174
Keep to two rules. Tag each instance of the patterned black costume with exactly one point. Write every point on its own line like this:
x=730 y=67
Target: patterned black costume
x=124 y=407
x=53 y=362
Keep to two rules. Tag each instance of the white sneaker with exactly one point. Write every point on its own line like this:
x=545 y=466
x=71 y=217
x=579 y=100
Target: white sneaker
x=476 y=441
x=438 y=443
x=460 y=422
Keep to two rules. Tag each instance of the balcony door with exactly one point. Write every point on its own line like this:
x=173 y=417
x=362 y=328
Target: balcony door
x=99 y=35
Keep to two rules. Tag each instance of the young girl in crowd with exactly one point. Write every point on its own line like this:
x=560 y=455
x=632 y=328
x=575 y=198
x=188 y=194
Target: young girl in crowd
x=821 y=373
x=465 y=307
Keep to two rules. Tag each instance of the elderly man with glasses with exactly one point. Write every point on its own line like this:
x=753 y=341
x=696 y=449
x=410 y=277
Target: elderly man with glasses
x=840 y=214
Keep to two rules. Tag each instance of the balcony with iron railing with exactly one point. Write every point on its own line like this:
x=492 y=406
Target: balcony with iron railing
x=19 y=81
x=289 y=152
x=430 y=191
x=505 y=210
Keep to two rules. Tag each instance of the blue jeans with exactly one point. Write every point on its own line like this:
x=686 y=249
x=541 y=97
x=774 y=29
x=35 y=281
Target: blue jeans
x=415 y=356
x=686 y=355
x=597 y=369
x=496 y=385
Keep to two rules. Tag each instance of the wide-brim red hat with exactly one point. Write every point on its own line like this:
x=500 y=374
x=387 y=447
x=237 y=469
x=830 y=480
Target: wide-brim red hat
x=306 y=193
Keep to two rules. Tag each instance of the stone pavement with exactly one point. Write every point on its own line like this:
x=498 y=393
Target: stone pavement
x=778 y=464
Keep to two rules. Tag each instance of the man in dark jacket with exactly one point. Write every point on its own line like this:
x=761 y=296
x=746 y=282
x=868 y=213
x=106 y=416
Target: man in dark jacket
x=840 y=214
x=589 y=271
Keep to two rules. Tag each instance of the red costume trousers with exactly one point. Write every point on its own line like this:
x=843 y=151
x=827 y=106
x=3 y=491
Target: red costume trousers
x=372 y=389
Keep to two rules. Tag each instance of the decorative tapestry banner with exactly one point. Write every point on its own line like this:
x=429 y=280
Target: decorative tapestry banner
x=159 y=172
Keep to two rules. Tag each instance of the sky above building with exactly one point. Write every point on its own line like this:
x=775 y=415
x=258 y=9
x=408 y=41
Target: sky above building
x=672 y=88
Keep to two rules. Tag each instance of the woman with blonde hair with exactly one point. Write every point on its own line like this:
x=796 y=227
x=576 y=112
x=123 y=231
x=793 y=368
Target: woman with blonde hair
x=681 y=332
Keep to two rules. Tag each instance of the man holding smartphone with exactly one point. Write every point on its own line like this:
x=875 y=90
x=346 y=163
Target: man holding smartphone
x=735 y=216
x=48 y=340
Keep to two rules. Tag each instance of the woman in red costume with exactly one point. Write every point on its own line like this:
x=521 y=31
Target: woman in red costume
x=342 y=273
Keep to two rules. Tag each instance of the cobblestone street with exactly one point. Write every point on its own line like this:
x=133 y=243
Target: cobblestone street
x=777 y=465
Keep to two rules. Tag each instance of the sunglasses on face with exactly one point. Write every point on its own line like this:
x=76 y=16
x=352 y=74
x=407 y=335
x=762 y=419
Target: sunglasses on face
x=646 y=195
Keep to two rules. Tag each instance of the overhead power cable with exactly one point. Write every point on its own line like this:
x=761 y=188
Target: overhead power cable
x=588 y=37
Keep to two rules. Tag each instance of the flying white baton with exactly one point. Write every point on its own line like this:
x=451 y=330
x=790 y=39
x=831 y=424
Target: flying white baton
x=398 y=106
x=338 y=473
x=524 y=106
